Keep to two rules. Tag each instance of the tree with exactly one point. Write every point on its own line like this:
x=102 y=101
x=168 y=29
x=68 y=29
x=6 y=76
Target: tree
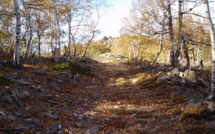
x=30 y=27
x=212 y=36
x=16 y=59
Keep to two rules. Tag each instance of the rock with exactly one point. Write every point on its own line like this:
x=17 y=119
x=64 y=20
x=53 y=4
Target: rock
x=114 y=116
x=175 y=71
x=40 y=88
x=204 y=82
x=34 y=122
x=163 y=78
x=104 y=119
x=100 y=78
x=210 y=105
x=193 y=104
x=212 y=125
x=93 y=86
x=53 y=116
x=78 y=125
x=190 y=75
x=37 y=72
x=25 y=94
x=181 y=74
x=51 y=102
x=93 y=130
x=22 y=82
x=6 y=99
x=59 y=81
x=55 y=87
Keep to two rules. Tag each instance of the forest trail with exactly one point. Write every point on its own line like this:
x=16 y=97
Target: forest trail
x=117 y=99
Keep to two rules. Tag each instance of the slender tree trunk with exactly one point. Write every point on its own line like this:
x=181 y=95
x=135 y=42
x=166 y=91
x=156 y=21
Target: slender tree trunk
x=159 y=51
x=16 y=60
x=87 y=48
x=39 y=44
x=180 y=26
x=212 y=32
x=59 y=41
x=185 y=60
x=171 y=34
x=28 y=18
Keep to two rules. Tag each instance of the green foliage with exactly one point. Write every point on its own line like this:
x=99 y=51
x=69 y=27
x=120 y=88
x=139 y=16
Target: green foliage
x=60 y=67
x=4 y=80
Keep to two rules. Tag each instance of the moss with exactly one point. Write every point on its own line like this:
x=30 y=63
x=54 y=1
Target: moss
x=197 y=112
x=4 y=80
x=59 y=67
x=74 y=68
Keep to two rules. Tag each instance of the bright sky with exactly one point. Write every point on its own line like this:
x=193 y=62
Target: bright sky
x=111 y=22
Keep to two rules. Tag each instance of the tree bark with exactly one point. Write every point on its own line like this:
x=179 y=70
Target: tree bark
x=185 y=60
x=16 y=59
x=160 y=49
x=212 y=36
x=171 y=34
x=28 y=18
x=180 y=25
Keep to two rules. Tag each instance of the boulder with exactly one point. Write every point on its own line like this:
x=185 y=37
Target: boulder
x=190 y=75
x=164 y=78
x=175 y=71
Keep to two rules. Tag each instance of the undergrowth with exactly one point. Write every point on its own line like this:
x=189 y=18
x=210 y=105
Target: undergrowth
x=4 y=80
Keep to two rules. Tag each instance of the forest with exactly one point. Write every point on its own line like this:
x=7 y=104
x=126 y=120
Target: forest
x=57 y=77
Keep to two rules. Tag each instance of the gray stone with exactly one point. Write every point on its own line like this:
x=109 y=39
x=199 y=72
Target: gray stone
x=40 y=88
x=22 y=82
x=51 y=102
x=93 y=86
x=6 y=99
x=114 y=116
x=34 y=122
x=53 y=116
x=164 y=78
x=35 y=71
x=93 y=130
x=212 y=125
x=25 y=94
x=55 y=87
x=59 y=81
x=78 y=125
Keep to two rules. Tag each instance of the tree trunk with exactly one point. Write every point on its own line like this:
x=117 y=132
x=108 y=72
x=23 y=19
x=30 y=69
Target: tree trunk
x=39 y=44
x=212 y=34
x=16 y=60
x=159 y=51
x=185 y=60
x=28 y=18
x=171 y=34
x=180 y=25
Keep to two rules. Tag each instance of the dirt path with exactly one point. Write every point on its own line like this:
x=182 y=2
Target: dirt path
x=119 y=99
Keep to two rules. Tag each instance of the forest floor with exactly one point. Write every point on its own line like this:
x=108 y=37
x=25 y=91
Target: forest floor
x=117 y=99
